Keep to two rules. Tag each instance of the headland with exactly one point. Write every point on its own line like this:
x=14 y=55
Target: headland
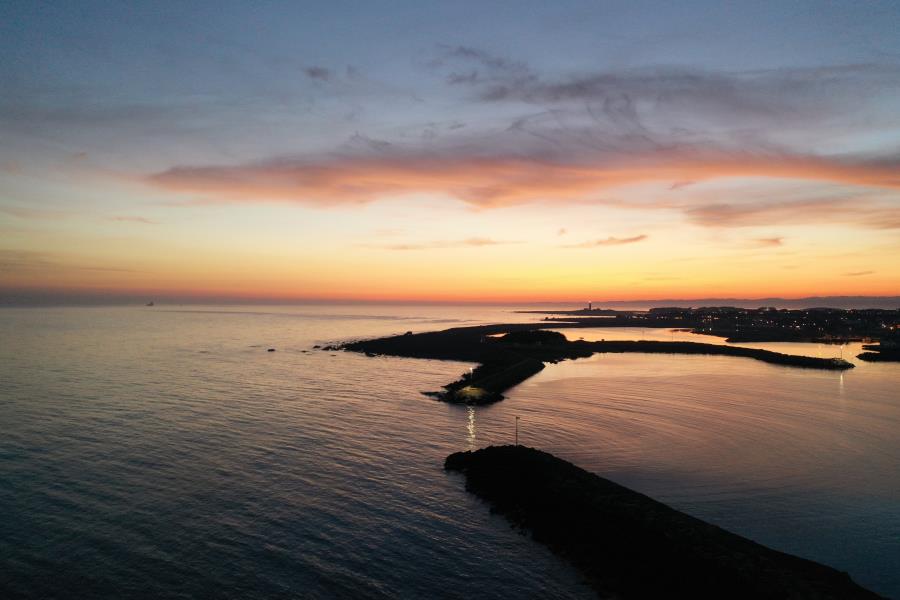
x=511 y=353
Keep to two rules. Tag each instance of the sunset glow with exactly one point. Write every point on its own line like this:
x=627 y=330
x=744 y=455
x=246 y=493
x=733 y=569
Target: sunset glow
x=285 y=163
x=427 y=299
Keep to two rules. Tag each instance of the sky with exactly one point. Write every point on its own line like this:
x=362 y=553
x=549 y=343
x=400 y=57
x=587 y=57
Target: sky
x=437 y=151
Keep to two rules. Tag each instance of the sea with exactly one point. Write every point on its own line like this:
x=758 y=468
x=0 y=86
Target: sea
x=164 y=452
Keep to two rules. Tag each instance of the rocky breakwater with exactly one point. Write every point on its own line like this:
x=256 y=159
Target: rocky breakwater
x=630 y=546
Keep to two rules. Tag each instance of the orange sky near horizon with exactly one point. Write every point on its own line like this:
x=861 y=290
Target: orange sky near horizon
x=492 y=159
x=530 y=253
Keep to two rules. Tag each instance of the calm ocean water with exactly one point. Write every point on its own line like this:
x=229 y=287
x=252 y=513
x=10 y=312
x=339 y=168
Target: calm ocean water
x=163 y=452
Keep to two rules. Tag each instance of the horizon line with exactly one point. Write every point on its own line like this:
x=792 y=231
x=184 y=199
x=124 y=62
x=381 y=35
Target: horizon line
x=46 y=298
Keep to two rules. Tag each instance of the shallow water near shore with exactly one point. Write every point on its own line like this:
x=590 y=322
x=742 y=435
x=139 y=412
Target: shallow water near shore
x=163 y=451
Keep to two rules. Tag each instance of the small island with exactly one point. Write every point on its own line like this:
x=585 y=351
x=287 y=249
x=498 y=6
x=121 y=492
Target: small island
x=630 y=546
x=511 y=353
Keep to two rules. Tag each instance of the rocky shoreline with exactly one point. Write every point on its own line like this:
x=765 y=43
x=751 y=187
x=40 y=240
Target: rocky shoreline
x=508 y=354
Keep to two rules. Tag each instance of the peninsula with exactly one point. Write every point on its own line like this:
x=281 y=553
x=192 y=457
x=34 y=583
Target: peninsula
x=630 y=546
x=511 y=353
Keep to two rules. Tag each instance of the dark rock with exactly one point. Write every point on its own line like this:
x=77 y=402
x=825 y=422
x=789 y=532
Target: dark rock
x=534 y=336
x=881 y=356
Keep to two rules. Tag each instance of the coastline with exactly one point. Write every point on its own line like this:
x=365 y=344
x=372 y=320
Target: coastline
x=669 y=552
x=508 y=354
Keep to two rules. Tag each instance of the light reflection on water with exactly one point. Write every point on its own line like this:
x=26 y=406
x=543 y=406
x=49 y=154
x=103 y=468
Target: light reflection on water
x=471 y=443
x=166 y=453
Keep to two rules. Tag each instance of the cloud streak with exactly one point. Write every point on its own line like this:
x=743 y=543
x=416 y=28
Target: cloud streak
x=494 y=181
x=768 y=242
x=27 y=261
x=586 y=135
x=34 y=213
x=472 y=242
x=633 y=97
x=860 y=212
x=610 y=241
x=133 y=219
x=319 y=73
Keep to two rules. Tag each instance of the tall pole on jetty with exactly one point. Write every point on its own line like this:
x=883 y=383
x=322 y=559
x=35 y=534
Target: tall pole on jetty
x=517 y=430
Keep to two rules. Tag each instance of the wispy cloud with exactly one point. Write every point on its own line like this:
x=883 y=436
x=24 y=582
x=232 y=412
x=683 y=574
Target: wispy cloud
x=681 y=184
x=27 y=261
x=492 y=181
x=767 y=242
x=610 y=241
x=633 y=97
x=320 y=73
x=859 y=273
x=133 y=219
x=473 y=242
x=589 y=133
x=22 y=212
x=858 y=211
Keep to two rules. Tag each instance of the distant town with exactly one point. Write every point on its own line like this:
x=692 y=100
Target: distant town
x=764 y=324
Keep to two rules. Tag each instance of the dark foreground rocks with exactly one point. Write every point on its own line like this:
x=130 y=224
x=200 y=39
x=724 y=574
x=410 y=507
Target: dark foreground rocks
x=631 y=546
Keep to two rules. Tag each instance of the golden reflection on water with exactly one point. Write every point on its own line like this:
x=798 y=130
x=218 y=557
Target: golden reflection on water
x=470 y=429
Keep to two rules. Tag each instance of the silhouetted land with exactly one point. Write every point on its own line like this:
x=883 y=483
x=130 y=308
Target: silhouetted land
x=509 y=354
x=879 y=354
x=888 y=350
x=631 y=546
x=766 y=324
x=893 y=356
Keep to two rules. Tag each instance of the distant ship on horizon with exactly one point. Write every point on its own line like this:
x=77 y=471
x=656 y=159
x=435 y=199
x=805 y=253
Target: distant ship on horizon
x=149 y=303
